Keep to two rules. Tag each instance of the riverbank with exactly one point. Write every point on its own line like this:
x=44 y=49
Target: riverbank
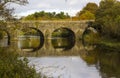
x=109 y=44
x=101 y=42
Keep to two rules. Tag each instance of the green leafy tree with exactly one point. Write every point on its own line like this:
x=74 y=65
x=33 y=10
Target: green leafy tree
x=92 y=7
x=47 y=16
x=87 y=15
x=89 y=9
x=108 y=17
x=13 y=67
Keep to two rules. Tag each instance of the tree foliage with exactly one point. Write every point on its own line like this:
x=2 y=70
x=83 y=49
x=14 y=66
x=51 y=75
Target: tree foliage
x=13 y=67
x=42 y=15
x=87 y=15
x=108 y=16
x=88 y=12
x=6 y=13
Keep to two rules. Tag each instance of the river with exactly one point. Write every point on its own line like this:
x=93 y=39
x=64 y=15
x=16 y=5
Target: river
x=66 y=58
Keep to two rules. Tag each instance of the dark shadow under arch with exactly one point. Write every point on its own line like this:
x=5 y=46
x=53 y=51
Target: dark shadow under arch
x=70 y=36
x=41 y=38
x=72 y=33
x=90 y=28
x=40 y=34
x=8 y=35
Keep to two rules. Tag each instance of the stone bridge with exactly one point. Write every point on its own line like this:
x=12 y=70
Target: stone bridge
x=47 y=27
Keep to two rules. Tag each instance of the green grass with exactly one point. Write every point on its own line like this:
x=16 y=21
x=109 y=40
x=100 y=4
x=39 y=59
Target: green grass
x=103 y=43
x=109 y=44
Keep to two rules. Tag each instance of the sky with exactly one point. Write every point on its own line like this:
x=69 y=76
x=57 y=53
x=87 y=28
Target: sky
x=68 y=6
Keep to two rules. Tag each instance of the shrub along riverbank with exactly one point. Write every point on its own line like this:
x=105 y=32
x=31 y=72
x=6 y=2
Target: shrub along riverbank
x=107 y=25
x=13 y=67
x=101 y=42
x=91 y=38
x=108 y=20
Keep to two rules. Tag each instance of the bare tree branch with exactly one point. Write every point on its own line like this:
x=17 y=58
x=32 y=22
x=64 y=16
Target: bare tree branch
x=6 y=13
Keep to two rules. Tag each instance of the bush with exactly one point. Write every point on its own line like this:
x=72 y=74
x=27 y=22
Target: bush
x=2 y=26
x=13 y=67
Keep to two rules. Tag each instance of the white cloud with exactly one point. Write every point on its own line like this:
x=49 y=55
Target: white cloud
x=18 y=15
x=70 y=6
x=73 y=2
x=43 y=5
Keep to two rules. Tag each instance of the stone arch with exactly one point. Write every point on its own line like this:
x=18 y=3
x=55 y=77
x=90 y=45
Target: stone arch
x=41 y=36
x=68 y=29
x=91 y=43
x=6 y=38
x=31 y=33
x=58 y=36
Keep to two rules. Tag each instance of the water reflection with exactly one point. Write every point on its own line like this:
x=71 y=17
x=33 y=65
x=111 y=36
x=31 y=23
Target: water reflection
x=63 y=43
x=96 y=63
x=64 y=49
x=62 y=56
x=28 y=43
x=30 y=39
x=63 y=38
x=90 y=38
x=63 y=67
x=106 y=62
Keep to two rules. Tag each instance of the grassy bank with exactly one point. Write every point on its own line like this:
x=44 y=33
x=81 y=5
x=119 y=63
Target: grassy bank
x=102 y=43
x=109 y=44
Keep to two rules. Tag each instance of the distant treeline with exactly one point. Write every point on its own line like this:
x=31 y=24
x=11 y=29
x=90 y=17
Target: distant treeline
x=87 y=13
x=42 y=15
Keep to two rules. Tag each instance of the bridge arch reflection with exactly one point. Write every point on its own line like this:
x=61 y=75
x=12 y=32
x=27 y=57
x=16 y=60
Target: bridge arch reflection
x=63 y=38
x=30 y=39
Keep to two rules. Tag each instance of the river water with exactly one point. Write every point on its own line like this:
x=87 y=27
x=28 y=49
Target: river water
x=65 y=58
x=64 y=67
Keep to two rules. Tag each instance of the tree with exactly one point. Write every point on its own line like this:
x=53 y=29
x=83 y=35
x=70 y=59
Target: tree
x=47 y=16
x=90 y=8
x=6 y=13
x=87 y=15
x=60 y=15
x=108 y=17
